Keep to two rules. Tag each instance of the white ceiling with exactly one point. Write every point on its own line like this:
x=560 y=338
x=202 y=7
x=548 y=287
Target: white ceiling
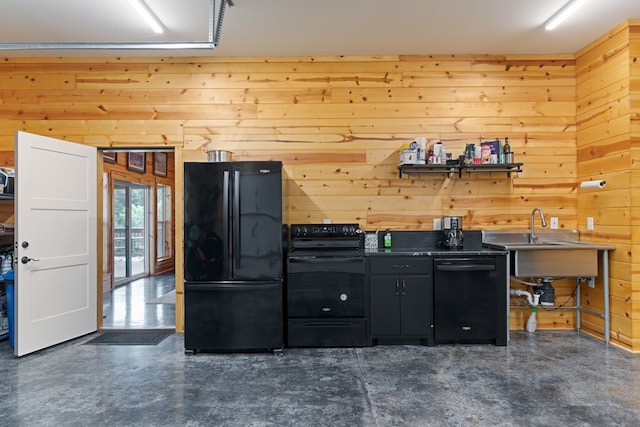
x=316 y=27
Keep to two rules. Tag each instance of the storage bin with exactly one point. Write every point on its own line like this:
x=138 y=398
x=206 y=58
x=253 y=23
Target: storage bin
x=8 y=278
x=9 y=286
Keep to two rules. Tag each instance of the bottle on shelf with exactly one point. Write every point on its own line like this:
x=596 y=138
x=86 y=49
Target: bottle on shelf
x=507 y=154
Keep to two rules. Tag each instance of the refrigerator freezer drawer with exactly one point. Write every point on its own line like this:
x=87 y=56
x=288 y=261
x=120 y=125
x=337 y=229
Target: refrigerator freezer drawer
x=228 y=317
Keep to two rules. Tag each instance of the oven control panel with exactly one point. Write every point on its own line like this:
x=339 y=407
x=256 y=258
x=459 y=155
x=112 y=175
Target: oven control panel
x=325 y=230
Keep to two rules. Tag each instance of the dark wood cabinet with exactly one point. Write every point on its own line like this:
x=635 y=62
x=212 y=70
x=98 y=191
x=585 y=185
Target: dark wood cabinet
x=401 y=300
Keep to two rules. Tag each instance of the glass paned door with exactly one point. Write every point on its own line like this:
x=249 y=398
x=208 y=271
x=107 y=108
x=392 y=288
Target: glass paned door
x=163 y=222
x=130 y=231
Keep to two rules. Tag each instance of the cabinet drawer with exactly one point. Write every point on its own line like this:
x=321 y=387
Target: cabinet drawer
x=400 y=265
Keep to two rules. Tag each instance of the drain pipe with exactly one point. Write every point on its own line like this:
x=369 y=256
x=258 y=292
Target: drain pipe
x=533 y=301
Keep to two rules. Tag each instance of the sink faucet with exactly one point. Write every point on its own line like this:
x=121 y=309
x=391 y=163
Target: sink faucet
x=532 y=236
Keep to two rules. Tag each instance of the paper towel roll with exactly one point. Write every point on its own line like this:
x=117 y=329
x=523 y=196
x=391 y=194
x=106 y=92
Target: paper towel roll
x=593 y=184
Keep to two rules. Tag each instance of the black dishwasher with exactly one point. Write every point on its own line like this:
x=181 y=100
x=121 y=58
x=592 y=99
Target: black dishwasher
x=470 y=300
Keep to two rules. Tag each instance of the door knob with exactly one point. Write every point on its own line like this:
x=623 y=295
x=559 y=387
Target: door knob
x=26 y=259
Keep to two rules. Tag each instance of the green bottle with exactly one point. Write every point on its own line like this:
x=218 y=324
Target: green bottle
x=387 y=239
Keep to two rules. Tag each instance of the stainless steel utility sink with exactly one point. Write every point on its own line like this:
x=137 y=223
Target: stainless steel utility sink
x=554 y=254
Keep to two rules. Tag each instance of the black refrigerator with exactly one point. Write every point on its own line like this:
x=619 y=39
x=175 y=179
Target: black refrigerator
x=233 y=266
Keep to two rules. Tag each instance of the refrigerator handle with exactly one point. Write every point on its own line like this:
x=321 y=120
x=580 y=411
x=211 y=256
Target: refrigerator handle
x=226 y=213
x=236 y=218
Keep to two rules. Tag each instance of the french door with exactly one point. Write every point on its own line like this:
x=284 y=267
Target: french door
x=130 y=231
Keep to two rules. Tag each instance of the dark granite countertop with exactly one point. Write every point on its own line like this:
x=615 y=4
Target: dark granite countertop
x=433 y=252
x=427 y=243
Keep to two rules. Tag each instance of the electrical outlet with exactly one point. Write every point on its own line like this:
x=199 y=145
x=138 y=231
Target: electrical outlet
x=437 y=224
x=590 y=223
x=553 y=223
x=327 y=221
x=592 y=282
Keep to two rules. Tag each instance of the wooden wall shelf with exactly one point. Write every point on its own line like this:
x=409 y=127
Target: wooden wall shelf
x=458 y=168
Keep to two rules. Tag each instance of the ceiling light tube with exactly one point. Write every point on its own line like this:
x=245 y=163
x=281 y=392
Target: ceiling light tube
x=563 y=14
x=149 y=17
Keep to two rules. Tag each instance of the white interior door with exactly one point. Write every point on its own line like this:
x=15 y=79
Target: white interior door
x=56 y=241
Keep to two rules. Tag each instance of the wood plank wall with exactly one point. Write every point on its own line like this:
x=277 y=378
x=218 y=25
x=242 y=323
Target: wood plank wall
x=336 y=123
x=607 y=111
x=634 y=89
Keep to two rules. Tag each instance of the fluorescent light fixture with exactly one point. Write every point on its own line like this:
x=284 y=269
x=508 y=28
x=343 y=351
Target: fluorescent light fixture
x=215 y=27
x=149 y=17
x=563 y=14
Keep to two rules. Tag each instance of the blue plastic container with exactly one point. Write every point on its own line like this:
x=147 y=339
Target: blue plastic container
x=8 y=278
x=9 y=287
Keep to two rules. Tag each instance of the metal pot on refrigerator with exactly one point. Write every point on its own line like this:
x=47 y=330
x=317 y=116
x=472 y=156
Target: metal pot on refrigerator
x=219 y=155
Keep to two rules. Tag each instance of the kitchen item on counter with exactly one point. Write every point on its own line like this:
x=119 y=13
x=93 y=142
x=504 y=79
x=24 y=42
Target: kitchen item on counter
x=438 y=153
x=485 y=154
x=371 y=241
x=452 y=236
x=491 y=151
x=409 y=157
x=477 y=156
x=219 y=155
x=507 y=154
x=421 y=142
x=233 y=256
x=469 y=153
x=326 y=286
x=387 y=239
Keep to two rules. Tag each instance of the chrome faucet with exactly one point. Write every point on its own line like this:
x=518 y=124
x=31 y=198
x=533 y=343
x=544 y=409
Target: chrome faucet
x=532 y=236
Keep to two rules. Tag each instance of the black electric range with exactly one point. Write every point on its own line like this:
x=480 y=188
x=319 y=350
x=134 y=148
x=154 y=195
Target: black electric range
x=326 y=286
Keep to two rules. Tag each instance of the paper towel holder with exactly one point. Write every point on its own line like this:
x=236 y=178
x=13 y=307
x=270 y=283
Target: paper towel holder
x=599 y=183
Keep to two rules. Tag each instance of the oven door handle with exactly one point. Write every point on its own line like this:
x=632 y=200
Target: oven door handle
x=323 y=260
x=465 y=267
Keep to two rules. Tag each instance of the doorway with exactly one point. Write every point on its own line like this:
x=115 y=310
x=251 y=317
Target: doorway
x=130 y=231
x=138 y=244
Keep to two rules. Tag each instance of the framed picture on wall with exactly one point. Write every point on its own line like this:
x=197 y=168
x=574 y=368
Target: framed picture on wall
x=110 y=156
x=160 y=164
x=137 y=162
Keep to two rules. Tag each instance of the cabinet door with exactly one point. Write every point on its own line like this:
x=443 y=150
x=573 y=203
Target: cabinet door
x=416 y=305
x=384 y=305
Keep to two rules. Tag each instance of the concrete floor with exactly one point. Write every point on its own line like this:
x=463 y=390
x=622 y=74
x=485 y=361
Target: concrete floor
x=127 y=306
x=541 y=379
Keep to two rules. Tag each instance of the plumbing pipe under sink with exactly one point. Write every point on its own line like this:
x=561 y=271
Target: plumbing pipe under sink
x=533 y=300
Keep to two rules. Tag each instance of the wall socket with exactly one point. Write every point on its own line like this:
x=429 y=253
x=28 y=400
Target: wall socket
x=553 y=223
x=590 y=223
x=437 y=224
x=592 y=282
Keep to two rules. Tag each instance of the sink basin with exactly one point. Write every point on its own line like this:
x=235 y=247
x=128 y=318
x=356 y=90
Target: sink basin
x=555 y=253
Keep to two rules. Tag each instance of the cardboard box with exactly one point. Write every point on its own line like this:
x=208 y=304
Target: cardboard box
x=490 y=152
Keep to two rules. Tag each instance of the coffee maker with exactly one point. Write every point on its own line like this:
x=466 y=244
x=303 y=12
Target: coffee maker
x=452 y=232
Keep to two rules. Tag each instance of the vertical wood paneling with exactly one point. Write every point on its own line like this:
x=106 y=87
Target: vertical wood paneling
x=606 y=150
